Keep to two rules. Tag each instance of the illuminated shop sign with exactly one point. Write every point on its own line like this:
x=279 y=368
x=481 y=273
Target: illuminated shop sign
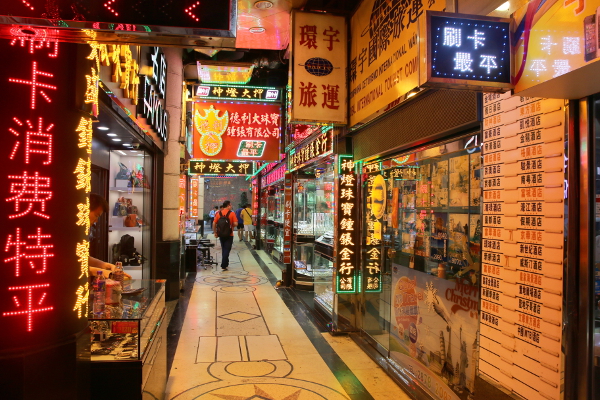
x=221 y=168
x=120 y=14
x=234 y=92
x=194 y=198
x=287 y=219
x=376 y=205
x=44 y=184
x=152 y=96
x=275 y=176
x=320 y=146
x=468 y=50
x=237 y=130
x=347 y=231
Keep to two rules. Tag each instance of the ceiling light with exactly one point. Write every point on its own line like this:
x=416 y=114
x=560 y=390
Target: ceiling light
x=140 y=155
x=121 y=152
x=127 y=144
x=263 y=5
x=133 y=151
x=256 y=29
x=116 y=140
x=103 y=128
x=504 y=6
x=111 y=134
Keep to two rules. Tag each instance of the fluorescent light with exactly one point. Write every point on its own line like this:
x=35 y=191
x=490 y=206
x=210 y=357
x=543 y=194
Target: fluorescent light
x=133 y=151
x=116 y=140
x=127 y=144
x=504 y=6
x=111 y=134
x=140 y=155
x=121 y=152
x=103 y=128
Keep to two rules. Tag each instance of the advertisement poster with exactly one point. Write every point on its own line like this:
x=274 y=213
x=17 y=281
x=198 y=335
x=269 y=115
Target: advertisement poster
x=236 y=131
x=434 y=332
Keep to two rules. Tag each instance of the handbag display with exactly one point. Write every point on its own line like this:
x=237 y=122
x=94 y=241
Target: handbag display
x=130 y=221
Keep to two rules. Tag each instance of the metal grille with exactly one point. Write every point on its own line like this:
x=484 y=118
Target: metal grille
x=433 y=114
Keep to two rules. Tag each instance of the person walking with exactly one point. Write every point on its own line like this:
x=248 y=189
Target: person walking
x=240 y=225
x=248 y=225
x=211 y=216
x=223 y=227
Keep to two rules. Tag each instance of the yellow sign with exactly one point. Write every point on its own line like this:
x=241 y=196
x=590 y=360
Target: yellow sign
x=558 y=37
x=384 y=61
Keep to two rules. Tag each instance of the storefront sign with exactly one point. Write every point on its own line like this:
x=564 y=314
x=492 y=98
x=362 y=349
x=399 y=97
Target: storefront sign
x=373 y=260
x=182 y=196
x=301 y=131
x=194 y=198
x=255 y=205
x=318 y=66
x=522 y=246
x=319 y=147
x=348 y=245
x=123 y=15
x=556 y=38
x=236 y=92
x=124 y=327
x=287 y=219
x=152 y=95
x=384 y=62
x=237 y=131
x=468 y=50
x=274 y=176
x=44 y=187
x=221 y=168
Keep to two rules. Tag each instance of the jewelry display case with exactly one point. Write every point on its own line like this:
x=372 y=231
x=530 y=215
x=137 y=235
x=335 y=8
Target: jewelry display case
x=129 y=340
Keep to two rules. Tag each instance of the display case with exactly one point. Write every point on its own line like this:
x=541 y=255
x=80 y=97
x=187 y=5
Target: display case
x=130 y=205
x=129 y=341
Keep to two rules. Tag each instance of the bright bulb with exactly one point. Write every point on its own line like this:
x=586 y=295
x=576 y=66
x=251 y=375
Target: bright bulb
x=504 y=6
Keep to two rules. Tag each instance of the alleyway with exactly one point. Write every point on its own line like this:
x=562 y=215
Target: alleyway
x=240 y=338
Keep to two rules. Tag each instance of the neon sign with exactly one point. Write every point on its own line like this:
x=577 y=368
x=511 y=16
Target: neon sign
x=221 y=168
x=245 y=93
x=347 y=214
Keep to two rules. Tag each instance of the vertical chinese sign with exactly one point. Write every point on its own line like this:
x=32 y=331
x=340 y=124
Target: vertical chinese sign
x=182 y=195
x=194 y=197
x=523 y=244
x=347 y=232
x=44 y=186
x=318 y=67
x=287 y=219
x=375 y=202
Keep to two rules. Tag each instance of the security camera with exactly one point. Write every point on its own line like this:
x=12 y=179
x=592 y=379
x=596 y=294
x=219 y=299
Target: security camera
x=135 y=145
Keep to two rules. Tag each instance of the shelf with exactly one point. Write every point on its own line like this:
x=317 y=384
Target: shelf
x=124 y=228
x=128 y=190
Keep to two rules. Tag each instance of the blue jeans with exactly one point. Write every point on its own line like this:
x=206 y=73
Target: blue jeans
x=226 y=246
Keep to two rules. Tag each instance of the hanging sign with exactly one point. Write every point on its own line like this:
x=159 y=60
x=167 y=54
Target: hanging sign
x=347 y=247
x=287 y=219
x=274 y=176
x=523 y=245
x=384 y=55
x=44 y=188
x=237 y=131
x=237 y=92
x=468 y=51
x=318 y=66
x=221 y=168
x=151 y=105
x=318 y=147
x=194 y=198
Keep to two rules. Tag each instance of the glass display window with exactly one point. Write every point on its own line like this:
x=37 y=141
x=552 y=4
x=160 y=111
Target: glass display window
x=130 y=205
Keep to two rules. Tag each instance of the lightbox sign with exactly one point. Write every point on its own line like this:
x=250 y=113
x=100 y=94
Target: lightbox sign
x=44 y=184
x=347 y=249
x=318 y=147
x=236 y=92
x=468 y=50
x=237 y=130
x=221 y=168
x=173 y=13
x=151 y=105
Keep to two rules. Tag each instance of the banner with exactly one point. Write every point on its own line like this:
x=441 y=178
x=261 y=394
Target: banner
x=384 y=63
x=236 y=131
x=319 y=68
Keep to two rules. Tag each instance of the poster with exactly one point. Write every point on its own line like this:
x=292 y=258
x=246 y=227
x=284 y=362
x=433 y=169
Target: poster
x=434 y=332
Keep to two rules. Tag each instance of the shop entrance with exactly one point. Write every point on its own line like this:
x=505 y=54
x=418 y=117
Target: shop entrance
x=422 y=232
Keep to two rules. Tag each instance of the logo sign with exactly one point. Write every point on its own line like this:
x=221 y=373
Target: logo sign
x=347 y=249
x=237 y=92
x=44 y=290
x=468 y=50
x=152 y=95
x=318 y=68
x=320 y=146
x=237 y=131
x=221 y=168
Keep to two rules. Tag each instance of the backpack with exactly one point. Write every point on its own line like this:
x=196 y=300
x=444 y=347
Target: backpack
x=224 y=227
x=126 y=246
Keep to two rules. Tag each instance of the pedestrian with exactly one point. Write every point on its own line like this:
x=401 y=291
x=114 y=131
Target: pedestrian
x=240 y=225
x=224 y=231
x=211 y=216
x=248 y=223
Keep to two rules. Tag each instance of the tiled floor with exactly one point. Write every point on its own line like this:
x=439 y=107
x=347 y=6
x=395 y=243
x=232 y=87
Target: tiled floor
x=240 y=340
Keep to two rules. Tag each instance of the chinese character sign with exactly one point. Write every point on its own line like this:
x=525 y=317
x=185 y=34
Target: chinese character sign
x=348 y=245
x=194 y=197
x=465 y=50
x=384 y=61
x=238 y=92
x=44 y=184
x=318 y=66
x=320 y=146
x=237 y=131
x=287 y=219
x=225 y=168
